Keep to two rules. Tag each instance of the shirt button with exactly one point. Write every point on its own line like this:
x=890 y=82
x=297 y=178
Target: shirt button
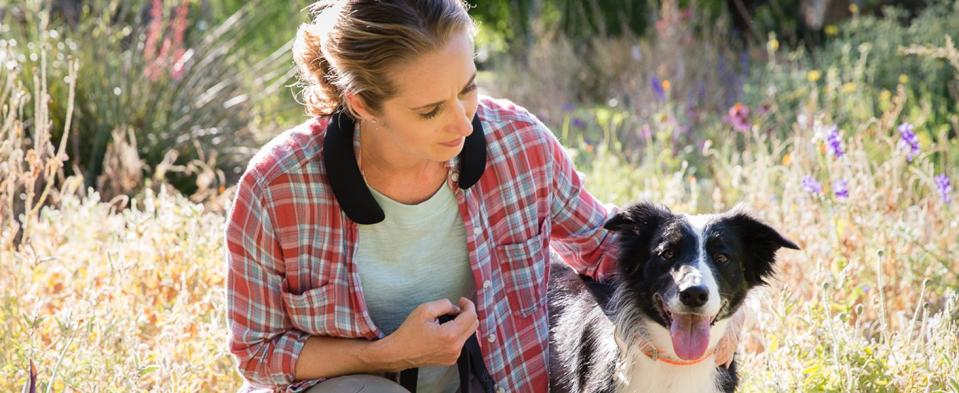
x=487 y=284
x=455 y=176
x=477 y=231
x=500 y=390
x=491 y=338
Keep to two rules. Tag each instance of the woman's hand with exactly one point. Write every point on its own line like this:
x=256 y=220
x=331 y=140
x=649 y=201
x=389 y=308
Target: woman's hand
x=727 y=345
x=422 y=341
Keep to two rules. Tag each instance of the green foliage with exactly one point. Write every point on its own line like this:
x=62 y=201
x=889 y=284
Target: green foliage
x=518 y=21
x=863 y=73
x=177 y=81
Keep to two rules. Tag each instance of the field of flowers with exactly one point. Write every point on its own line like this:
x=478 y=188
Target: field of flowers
x=850 y=157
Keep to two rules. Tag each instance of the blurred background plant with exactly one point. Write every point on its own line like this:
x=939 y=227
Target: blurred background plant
x=156 y=77
x=125 y=124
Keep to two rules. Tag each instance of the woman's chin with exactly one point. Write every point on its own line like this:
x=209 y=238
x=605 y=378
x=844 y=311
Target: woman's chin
x=446 y=153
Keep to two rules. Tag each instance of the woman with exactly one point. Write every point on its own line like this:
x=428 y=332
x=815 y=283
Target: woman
x=406 y=198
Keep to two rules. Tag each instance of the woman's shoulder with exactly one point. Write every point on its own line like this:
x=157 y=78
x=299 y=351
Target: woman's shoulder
x=508 y=123
x=295 y=150
x=498 y=111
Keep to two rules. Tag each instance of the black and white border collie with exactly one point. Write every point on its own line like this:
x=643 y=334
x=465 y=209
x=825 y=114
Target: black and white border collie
x=654 y=326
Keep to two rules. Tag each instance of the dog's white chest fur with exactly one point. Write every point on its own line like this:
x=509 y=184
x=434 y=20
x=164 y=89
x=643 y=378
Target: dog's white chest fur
x=647 y=376
x=637 y=373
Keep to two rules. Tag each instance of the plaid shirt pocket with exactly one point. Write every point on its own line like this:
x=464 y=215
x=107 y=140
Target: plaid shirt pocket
x=523 y=266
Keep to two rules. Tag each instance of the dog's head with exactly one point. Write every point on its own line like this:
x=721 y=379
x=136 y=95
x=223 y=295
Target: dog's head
x=688 y=272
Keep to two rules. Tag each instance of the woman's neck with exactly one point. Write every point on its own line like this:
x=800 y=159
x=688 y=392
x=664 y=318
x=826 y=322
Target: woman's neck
x=402 y=179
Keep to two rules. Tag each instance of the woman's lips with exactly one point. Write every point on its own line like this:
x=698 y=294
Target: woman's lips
x=454 y=143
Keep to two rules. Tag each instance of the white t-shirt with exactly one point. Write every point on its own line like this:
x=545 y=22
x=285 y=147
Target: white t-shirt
x=417 y=254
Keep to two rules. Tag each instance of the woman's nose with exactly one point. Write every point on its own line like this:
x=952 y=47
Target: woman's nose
x=463 y=124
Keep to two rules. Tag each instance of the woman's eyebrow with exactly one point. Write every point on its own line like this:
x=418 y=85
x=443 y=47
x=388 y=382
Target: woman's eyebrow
x=473 y=78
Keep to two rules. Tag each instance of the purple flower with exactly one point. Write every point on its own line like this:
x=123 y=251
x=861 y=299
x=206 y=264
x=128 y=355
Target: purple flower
x=657 y=86
x=834 y=140
x=646 y=132
x=909 y=141
x=944 y=186
x=738 y=117
x=841 y=188
x=811 y=185
x=579 y=123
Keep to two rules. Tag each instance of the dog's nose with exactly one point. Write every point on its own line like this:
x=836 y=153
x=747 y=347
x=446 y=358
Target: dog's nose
x=694 y=296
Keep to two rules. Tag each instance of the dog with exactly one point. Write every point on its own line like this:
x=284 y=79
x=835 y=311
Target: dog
x=654 y=325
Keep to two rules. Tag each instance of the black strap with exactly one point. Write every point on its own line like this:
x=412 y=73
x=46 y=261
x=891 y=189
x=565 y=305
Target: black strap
x=408 y=379
x=471 y=351
x=470 y=360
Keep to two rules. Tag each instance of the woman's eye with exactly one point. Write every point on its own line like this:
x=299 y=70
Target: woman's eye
x=469 y=89
x=431 y=114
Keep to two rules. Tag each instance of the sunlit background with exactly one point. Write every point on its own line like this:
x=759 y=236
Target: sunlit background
x=124 y=126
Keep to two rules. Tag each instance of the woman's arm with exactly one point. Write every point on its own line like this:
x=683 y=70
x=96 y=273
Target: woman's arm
x=419 y=341
x=326 y=357
x=261 y=336
x=577 y=218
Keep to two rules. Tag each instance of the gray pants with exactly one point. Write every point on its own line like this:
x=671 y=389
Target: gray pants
x=357 y=383
x=369 y=384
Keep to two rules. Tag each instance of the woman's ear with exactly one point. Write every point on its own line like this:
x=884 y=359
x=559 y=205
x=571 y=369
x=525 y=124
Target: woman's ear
x=358 y=107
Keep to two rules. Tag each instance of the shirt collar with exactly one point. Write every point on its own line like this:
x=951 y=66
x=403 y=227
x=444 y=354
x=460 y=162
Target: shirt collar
x=354 y=197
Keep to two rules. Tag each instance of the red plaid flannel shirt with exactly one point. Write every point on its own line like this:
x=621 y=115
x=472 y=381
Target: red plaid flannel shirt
x=291 y=237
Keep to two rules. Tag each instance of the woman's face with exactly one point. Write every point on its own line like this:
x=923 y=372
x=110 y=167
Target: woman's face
x=430 y=116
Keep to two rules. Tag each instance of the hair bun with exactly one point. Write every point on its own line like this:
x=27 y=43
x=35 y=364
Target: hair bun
x=321 y=96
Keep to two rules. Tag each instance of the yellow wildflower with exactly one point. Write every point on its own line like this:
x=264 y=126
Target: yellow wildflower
x=885 y=95
x=773 y=44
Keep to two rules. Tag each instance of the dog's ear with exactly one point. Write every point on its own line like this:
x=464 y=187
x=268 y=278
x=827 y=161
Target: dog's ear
x=760 y=243
x=636 y=225
x=640 y=218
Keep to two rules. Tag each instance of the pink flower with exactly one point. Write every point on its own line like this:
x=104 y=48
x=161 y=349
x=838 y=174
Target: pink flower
x=738 y=117
x=171 y=54
x=154 y=31
x=179 y=27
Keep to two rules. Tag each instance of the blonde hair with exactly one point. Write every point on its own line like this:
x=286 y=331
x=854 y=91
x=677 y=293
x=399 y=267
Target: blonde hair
x=351 y=45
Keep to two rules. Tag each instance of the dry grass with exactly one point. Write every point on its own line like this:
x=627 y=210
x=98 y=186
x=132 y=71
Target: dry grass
x=104 y=299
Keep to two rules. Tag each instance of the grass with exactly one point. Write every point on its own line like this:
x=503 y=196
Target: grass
x=98 y=297
x=132 y=303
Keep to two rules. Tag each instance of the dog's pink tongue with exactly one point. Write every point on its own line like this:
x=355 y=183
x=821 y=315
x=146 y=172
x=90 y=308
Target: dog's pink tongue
x=690 y=334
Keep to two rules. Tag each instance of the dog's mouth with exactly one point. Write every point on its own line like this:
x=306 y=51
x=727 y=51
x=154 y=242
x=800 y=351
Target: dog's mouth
x=689 y=332
x=663 y=310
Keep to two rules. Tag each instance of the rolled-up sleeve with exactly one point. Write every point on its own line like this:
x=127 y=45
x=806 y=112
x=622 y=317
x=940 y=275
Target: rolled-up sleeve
x=577 y=217
x=261 y=336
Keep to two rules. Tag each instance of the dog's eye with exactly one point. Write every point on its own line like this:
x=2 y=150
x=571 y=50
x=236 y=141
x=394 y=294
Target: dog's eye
x=721 y=258
x=667 y=254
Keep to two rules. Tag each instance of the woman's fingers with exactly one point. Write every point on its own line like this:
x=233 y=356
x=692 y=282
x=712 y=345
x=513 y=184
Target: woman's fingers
x=437 y=308
x=465 y=324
